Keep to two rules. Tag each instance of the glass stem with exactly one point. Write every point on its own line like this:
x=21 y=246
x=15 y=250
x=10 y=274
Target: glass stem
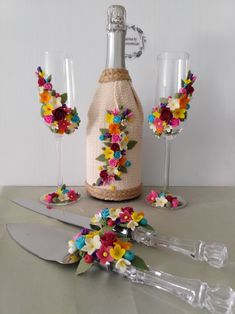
x=167 y=164
x=59 y=139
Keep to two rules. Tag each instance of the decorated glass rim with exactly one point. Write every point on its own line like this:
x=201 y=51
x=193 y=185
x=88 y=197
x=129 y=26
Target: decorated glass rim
x=174 y=55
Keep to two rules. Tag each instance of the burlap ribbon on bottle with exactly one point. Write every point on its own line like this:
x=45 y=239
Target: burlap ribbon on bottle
x=115 y=89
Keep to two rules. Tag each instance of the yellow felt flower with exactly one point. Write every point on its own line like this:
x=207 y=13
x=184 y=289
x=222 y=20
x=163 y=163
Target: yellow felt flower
x=112 y=187
x=179 y=113
x=117 y=252
x=100 y=168
x=47 y=109
x=108 y=153
x=124 y=245
x=59 y=191
x=68 y=117
x=187 y=81
x=109 y=118
x=125 y=139
x=92 y=234
x=137 y=216
x=156 y=114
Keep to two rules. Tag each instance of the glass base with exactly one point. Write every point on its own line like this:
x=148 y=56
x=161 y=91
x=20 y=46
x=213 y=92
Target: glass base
x=59 y=203
x=160 y=201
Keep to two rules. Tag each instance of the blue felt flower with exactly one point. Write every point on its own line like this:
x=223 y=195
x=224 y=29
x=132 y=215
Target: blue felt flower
x=151 y=118
x=128 y=163
x=161 y=194
x=117 y=155
x=117 y=119
x=102 y=137
x=65 y=191
x=129 y=255
x=105 y=213
x=80 y=242
x=143 y=222
x=75 y=118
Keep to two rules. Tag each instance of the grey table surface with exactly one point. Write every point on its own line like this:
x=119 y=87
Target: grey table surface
x=29 y=285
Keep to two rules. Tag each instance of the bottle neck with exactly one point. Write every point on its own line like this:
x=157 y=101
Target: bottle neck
x=115 y=50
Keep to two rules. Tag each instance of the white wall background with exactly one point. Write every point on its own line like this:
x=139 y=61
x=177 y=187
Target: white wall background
x=203 y=154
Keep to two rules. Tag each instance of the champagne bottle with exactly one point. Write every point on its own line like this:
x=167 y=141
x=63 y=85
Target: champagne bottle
x=115 y=120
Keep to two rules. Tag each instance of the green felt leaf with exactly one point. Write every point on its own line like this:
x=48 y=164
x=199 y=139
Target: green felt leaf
x=107 y=144
x=103 y=131
x=164 y=100
x=131 y=144
x=95 y=227
x=64 y=98
x=53 y=92
x=83 y=267
x=49 y=78
x=149 y=227
x=177 y=95
x=123 y=225
x=139 y=263
x=117 y=178
x=105 y=229
x=101 y=157
x=122 y=169
x=63 y=187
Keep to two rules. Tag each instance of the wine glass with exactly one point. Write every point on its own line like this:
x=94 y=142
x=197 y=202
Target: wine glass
x=173 y=94
x=57 y=97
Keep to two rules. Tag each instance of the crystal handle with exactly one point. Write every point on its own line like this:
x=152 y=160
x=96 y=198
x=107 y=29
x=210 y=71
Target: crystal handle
x=215 y=254
x=216 y=299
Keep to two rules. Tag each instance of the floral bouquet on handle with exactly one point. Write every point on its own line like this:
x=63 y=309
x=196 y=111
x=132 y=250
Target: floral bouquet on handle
x=102 y=247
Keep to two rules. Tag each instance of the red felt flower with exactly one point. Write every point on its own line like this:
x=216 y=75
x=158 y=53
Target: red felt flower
x=88 y=259
x=41 y=81
x=104 y=175
x=59 y=114
x=166 y=115
x=73 y=196
x=103 y=254
x=115 y=147
x=108 y=238
x=128 y=209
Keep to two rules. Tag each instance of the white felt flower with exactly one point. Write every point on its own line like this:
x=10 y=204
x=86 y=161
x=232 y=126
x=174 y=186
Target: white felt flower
x=72 y=247
x=92 y=244
x=173 y=104
x=160 y=201
x=96 y=219
x=122 y=264
x=132 y=224
x=114 y=213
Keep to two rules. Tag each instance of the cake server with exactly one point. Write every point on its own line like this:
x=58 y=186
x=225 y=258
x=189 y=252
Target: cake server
x=215 y=254
x=50 y=243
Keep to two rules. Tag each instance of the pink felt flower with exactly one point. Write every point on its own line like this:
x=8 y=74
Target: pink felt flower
x=158 y=122
x=48 y=119
x=174 y=122
x=47 y=86
x=175 y=202
x=182 y=90
x=77 y=235
x=103 y=254
x=113 y=162
x=116 y=111
x=48 y=198
x=125 y=216
x=151 y=197
x=116 y=138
